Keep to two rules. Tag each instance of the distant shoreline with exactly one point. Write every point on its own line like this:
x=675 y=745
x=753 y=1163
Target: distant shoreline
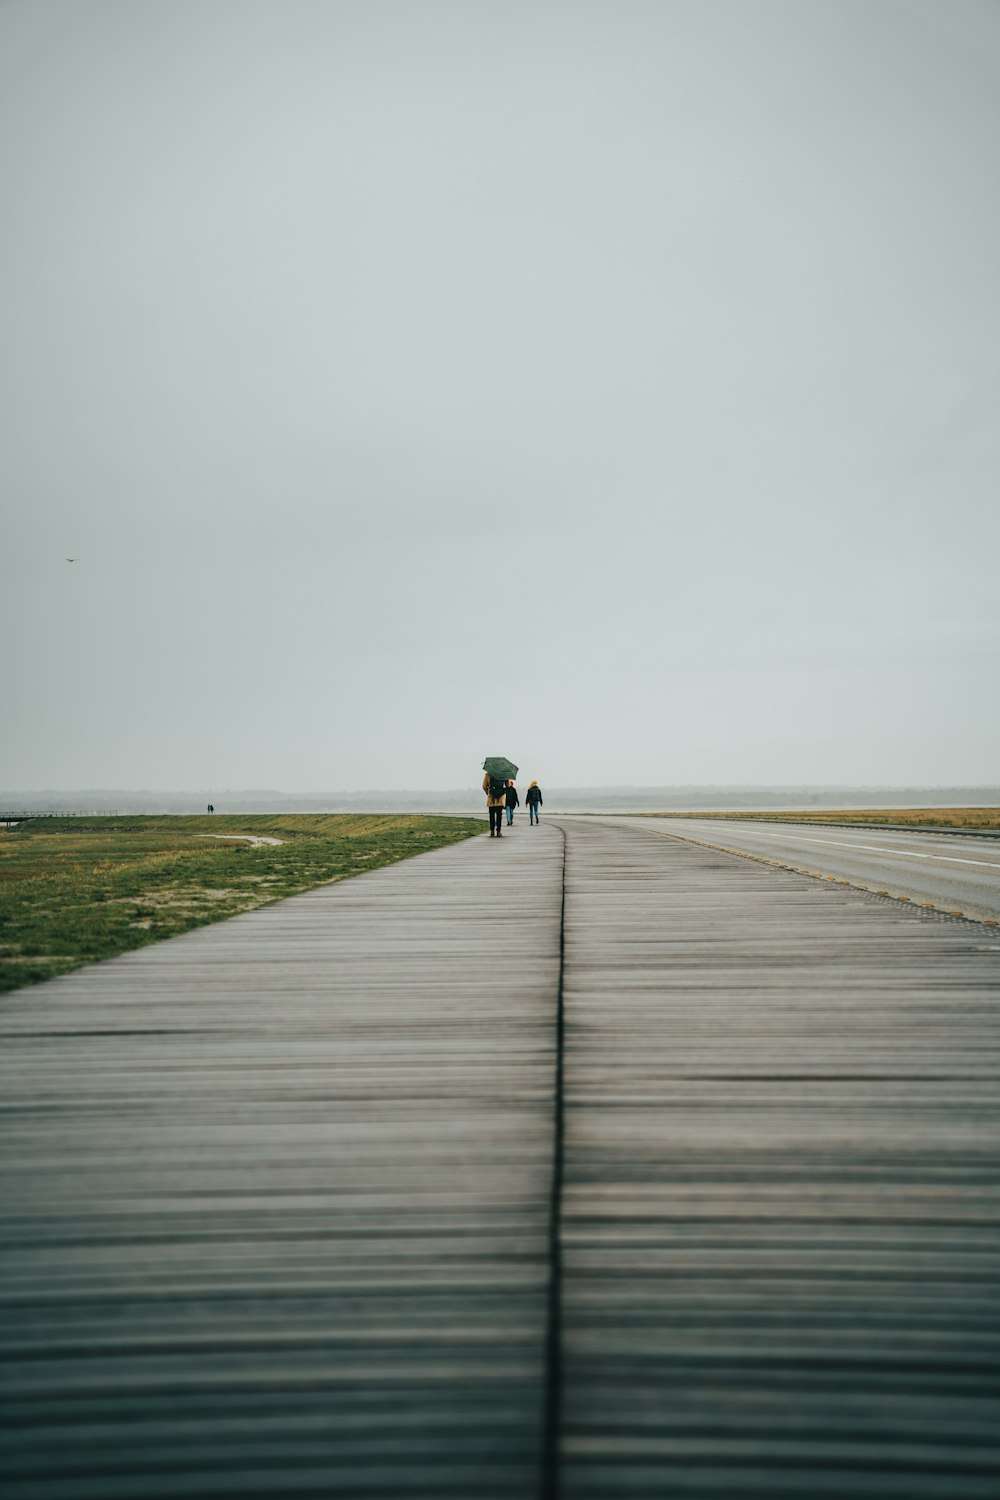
x=679 y=799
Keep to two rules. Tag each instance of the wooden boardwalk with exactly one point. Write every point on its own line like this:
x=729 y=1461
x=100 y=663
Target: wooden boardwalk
x=307 y=1204
x=278 y=1196
x=781 y=1202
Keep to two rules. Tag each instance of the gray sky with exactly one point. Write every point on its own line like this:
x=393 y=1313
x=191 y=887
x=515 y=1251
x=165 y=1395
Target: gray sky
x=614 y=386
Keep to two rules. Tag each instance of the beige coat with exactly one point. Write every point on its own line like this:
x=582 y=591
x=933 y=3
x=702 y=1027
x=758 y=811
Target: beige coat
x=500 y=801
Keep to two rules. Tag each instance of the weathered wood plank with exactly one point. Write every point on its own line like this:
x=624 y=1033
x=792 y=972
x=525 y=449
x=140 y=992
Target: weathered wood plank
x=781 y=1209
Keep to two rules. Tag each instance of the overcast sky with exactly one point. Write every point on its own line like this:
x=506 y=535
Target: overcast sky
x=610 y=384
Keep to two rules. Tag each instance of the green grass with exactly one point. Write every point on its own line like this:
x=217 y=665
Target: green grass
x=73 y=890
x=911 y=817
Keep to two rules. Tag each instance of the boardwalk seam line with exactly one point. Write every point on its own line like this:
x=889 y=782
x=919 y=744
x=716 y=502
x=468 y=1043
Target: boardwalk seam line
x=553 y=1349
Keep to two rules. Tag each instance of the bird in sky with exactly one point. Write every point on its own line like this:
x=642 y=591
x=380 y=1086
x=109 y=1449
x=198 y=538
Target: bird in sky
x=71 y=559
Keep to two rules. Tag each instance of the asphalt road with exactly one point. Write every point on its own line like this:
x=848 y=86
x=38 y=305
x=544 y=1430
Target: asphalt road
x=952 y=873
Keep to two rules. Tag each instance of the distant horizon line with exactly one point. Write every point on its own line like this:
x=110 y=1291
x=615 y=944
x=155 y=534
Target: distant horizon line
x=675 y=786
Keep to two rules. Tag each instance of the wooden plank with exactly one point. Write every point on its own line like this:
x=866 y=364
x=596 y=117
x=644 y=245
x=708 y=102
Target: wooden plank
x=277 y=1196
x=781 y=1206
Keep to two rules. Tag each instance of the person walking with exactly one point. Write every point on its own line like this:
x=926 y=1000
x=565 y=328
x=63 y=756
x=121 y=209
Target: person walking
x=511 y=800
x=495 y=799
x=533 y=797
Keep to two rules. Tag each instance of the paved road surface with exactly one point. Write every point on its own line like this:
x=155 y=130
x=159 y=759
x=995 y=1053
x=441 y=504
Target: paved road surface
x=952 y=873
x=648 y=1171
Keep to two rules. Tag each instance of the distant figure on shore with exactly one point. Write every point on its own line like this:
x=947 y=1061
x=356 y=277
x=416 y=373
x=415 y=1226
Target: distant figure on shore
x=511 y=800
x=496 y=796
x=533 y=798
x=211 y=808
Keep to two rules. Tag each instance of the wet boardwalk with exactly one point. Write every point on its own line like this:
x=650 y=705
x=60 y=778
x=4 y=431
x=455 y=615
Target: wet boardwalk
x=781 y=1203
x=310 y=1203
x=278 y=1196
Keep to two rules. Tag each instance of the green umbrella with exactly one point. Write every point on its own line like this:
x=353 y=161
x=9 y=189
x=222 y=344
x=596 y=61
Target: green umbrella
x=500 y=766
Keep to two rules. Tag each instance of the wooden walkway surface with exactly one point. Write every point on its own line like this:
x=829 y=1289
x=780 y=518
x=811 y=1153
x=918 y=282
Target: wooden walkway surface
x=280 y=1208
x=278 y=1196
x=781 y=1203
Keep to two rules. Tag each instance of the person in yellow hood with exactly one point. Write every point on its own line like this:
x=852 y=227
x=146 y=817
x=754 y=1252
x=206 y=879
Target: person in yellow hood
x=533 y=799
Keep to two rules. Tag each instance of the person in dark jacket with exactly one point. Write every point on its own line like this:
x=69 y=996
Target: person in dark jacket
x=533 y=798
x=512 y=800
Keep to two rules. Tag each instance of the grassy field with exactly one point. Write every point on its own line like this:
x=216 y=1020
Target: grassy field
x=73 y=890
x=909 y=817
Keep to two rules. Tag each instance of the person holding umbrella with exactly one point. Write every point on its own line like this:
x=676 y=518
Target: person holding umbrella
x=511 y=800
x=498 y=770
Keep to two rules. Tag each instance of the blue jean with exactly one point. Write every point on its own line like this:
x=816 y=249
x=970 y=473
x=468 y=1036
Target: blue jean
x=533 y=812
x=510 y=816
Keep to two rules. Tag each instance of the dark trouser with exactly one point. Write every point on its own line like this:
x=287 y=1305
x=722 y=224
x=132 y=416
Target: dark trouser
x=496 y=819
